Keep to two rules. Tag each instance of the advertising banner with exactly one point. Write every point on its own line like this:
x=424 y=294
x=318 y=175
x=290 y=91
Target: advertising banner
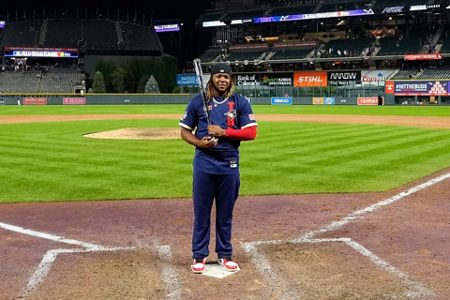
x=329 y=100
x=277 y=79
x=421 y=88
x=281 y=101
x=317 y=100
x=186 y=80
x=367 y=101
x=375 y=78
x=247 y=80
x=423 y=56
x=34 y=101
x=310 y=79
x=389 y=87
x=314 y=16
x=269 y=79
x=74 y=100
x=339 y=78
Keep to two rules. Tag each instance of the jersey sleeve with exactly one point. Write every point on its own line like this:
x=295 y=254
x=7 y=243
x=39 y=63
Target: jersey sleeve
x=190 y=117
x=246 y=116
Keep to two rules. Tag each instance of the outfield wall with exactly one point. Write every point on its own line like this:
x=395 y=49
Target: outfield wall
x=99 y=99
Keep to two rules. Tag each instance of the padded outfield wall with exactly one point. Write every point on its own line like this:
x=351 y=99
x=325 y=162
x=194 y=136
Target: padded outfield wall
x=98 y=99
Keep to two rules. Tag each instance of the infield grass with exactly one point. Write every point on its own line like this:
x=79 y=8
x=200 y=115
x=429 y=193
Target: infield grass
x=54 y=162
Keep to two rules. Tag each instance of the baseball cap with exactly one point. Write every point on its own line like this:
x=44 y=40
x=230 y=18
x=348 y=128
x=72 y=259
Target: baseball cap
x=221 y=68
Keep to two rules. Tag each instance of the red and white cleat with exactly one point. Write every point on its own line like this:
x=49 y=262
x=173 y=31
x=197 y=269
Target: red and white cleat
x=229 y=264
x=198 y=265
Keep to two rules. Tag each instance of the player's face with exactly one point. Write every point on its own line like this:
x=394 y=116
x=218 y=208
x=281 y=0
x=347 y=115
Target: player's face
x=222 y=82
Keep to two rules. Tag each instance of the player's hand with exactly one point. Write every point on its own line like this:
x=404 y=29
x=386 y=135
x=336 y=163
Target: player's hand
x=209 y=142
x=216 y=130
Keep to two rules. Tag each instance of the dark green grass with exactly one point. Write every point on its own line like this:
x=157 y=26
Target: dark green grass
x=53 y=162
x=438 y=111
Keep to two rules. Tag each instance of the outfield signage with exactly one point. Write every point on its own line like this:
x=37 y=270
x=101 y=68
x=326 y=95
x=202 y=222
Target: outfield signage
x=34 y=100
x=338 y=78
x=367 y=101
x=423 y=56
x=393 y=9
x=323 y=100
x=329 y=100
x=41 y=52
x=423 y=7
x=167 y=27
x=376 y=78
x=314 y=16
x=269 y=79
x=247 y=80
x=421 y=88
x=277 y=79
x=310 y=79
x=281 y=100
x=187 y=80
x=74 y=100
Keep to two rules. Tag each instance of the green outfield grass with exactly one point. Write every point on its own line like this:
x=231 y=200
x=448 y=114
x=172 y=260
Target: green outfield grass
x=53 y=162
x=438 y=111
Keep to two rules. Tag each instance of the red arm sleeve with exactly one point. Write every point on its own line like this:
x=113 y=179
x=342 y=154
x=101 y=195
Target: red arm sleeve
x=245 y=134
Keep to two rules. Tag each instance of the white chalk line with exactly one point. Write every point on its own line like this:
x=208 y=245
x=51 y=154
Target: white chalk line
x=418 y=289
x=49 y=258
x=276 y=283
x=169 y=275
x=48 y=236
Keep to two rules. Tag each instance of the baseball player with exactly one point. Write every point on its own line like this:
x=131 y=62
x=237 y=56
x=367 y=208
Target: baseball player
x=216 y=162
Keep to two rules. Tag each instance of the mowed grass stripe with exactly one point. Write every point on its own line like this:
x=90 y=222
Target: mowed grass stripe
x=333 y=143
x=286 y=158
x=391 y=156
x=438 y=111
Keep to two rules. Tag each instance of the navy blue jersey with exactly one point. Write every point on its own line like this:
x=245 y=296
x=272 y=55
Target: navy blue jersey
x=234 y=112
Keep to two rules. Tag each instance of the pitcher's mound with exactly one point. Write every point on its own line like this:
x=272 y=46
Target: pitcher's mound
x=137 y=134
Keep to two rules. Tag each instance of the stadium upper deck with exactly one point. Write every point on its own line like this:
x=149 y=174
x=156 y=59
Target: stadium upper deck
x=330 y=34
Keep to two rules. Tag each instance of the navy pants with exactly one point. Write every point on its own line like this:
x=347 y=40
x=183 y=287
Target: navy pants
x=224 y=189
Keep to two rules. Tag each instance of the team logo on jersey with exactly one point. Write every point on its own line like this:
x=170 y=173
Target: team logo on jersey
x=184 y=116
x=231 y=114
x=233 y=164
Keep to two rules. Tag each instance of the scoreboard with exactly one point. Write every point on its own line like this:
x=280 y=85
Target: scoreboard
x=41 y=52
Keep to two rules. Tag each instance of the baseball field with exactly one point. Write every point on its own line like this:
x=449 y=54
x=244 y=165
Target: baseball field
x=337 y=202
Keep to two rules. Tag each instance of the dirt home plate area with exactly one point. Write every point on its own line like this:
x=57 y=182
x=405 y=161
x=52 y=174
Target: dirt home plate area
x=392 y=245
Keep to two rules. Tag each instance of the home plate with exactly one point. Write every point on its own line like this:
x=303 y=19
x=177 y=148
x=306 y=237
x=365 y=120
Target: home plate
x=217 y=271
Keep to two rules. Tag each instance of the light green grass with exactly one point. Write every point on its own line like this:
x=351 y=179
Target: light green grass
x=53 y=162
x=438 y=111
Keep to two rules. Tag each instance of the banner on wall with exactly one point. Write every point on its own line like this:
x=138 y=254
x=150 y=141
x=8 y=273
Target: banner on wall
x=421 y=88
x=34 y=101
x=269 y=79
x=310 y=79
x=339 y=78
x=281 y=101
x=375 y=78
x=187 y=80
x=329 y=100
x=74 y=100
x=276 y=79
x=367 y=101
x=317 y=100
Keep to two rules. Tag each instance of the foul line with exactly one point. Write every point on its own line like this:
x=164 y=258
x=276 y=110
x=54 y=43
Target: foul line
x=51 y=255
x=263 y=266
x=169 y=275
